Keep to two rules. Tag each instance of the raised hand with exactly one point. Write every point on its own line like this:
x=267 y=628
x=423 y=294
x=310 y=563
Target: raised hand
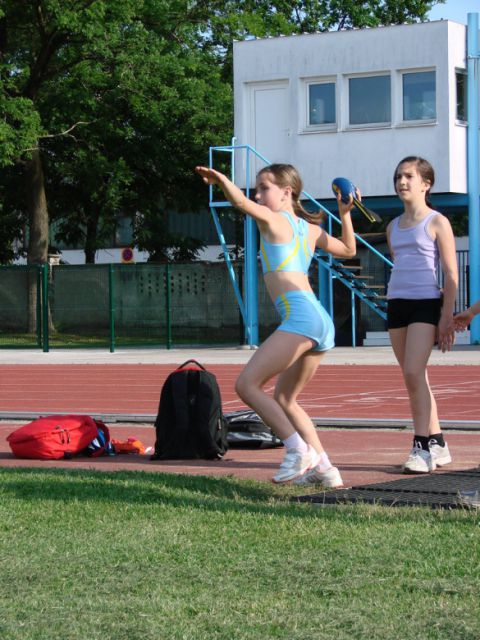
x=209 y=176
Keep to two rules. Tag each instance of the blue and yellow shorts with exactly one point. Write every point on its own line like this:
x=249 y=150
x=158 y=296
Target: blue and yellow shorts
x=302 y=313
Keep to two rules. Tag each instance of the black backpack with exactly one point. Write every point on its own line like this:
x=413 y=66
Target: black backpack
x=190 y=422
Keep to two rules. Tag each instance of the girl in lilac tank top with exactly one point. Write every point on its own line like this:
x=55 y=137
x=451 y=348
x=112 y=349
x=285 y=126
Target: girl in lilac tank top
x=414 y=276
x=419 y=314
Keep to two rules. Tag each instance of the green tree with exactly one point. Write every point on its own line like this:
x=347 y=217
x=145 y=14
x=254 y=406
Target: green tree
x=107 y=106
x=327 y=15
x=245 y=18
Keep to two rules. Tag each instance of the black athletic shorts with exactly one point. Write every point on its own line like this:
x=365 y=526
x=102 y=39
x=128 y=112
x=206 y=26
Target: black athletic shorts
x=402 y=312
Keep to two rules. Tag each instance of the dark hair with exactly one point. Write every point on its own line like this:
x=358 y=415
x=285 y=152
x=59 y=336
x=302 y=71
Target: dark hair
x=424 y=168
x=285 y=175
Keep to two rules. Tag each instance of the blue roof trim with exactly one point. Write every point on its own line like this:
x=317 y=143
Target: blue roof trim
x=447 y=202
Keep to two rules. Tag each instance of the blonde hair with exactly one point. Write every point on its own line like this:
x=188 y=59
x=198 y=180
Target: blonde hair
x=285 y=175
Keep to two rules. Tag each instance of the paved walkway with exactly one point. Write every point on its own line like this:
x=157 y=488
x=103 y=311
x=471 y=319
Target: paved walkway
x=460 y=355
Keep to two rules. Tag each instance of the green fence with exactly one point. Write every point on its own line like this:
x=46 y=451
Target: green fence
x=123 y=305
x=20 y=306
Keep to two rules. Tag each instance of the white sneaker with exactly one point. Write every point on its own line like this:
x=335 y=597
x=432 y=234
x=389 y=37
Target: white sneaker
x=441 y=455
x=419 y=461
x=295 y=464
x=330 y=479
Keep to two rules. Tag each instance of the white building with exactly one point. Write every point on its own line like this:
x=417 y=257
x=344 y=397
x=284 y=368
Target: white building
x=353 y=103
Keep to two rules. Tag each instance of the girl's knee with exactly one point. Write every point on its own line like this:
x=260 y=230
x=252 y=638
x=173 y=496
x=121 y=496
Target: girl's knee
x=239 y=387
x=414 y=378
x=243 y=387
x=286 y=401
x=280 y=398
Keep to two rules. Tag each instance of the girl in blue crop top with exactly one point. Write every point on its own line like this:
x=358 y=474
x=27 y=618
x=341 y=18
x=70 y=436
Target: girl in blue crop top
x=289 y=236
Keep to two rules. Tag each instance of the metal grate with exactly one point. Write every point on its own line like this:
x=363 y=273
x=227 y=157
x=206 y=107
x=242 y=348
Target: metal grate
x=439 y=490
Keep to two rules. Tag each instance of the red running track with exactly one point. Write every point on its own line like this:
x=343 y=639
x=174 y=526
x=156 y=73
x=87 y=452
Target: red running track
x=367 y=456
x=337 y=391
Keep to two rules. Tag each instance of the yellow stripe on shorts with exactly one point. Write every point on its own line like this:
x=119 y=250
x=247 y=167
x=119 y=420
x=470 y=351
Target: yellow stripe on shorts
x=286 y=303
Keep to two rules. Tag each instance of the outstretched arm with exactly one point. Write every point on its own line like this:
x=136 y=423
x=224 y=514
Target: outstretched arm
x=233 y=194
x=345 y=246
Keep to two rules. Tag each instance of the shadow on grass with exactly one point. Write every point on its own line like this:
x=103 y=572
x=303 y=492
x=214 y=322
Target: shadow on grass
x=225 y=494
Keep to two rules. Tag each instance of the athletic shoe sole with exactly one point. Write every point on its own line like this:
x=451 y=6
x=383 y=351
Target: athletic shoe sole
x=330 y=479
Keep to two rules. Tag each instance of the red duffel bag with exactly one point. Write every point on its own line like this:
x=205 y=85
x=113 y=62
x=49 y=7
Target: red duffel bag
x=53 y=437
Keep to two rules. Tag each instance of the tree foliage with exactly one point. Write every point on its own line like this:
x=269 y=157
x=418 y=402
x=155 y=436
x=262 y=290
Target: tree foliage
x=107 y=106
x=119 y=103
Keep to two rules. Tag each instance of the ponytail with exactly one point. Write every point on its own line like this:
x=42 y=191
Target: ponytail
x=314 y=218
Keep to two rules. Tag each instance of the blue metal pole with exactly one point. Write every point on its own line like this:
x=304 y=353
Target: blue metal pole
x=324 y=279
x=325 y=282
x=473 y=174
x=251 y=275
x=354 y=320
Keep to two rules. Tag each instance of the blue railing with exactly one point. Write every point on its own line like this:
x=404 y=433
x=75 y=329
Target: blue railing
x=249 y=306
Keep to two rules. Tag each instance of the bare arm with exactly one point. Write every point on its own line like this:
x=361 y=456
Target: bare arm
x=345 y=246
x=234 y=195
x=448 y=257
x=389 y=231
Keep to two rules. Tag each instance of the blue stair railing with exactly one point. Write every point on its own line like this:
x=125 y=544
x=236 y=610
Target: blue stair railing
x=359 y=285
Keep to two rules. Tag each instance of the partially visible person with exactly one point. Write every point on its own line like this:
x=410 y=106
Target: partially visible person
x=419 y=313
x=463 y=319
x=288 y=238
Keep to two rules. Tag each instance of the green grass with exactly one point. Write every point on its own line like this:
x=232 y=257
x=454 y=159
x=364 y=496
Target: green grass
x=72 y=340
x=25 y=340
x=127 y=556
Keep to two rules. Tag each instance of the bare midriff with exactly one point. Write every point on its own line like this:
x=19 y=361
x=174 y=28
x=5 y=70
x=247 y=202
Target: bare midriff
x=278 y=283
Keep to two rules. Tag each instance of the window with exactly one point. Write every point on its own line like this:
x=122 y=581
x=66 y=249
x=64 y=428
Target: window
x=321 y=104
x=461 y=78
x=419 y=96
x=369 y=100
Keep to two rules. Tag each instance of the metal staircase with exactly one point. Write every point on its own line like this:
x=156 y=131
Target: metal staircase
x=350 y=276
x=360 y=285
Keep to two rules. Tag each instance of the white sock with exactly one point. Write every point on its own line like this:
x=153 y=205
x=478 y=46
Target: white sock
x=324 y=463
x=296 y=442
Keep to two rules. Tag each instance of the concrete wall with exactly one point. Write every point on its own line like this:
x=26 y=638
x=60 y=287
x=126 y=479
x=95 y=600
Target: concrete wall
x=270 y=85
